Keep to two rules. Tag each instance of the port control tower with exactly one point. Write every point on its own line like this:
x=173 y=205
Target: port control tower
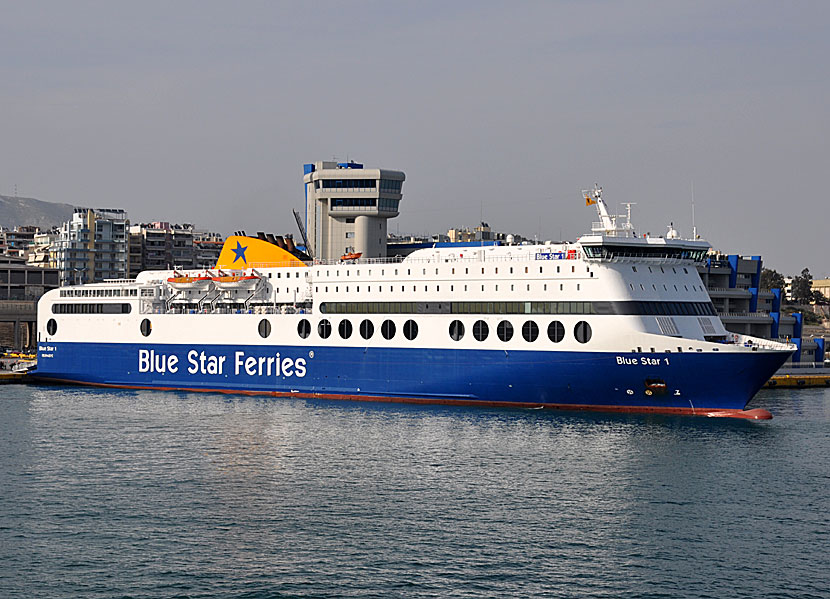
x=347 y=207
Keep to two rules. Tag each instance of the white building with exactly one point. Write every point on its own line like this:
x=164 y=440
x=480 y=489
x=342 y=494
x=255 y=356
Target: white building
x=347 y=207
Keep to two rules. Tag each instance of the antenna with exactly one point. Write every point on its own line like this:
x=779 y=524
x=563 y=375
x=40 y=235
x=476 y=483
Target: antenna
x=694 y=228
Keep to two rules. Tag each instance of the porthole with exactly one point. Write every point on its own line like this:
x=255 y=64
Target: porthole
x=556 y=331
x=324 y=329
x=146 y=327
x=345 y=329
x=530 y=331
x=582 y=332
x=51 y=326
x=304 y=328
x=410 y=329
x=264 y=328
x=505 y=330
x=387 y=329
x=367 y=329
x=480 y=330
x=456 y=330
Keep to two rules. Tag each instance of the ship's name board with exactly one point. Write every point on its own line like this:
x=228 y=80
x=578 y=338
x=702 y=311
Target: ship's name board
x=569 y=255
x=200 y=362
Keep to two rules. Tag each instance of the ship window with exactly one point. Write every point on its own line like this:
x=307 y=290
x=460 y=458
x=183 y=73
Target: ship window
x=530 y=331
x=456 y=330
x=51 y=326
x=367 y=329
x=582 y=332
x=324 y=329
x=345 y=329
x=497 y=270
x=480 y=330
x=387 y=329
x=264 y=328
x=505 y=330
x=410 y=329
x=304 y=328
x=556 y=331
x=146 y=327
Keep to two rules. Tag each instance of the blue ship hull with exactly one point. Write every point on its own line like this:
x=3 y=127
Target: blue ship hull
x=693 y=383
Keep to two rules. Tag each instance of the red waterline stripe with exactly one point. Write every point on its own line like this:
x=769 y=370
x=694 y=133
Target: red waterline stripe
x=753 y=414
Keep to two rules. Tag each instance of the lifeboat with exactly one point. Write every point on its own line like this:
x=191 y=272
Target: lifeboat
x=246 y=282
x=200 y=283
x=351 y=256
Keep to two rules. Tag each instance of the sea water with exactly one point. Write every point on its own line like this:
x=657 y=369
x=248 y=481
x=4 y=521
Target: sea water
x=155 y=494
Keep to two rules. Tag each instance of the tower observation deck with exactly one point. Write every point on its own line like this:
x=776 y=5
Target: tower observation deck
x=347 y=207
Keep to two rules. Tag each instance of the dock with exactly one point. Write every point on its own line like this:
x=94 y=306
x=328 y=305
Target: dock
x=800 y=379
x=12 y=377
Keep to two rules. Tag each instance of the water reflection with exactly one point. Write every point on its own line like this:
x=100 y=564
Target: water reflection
x=214 y=495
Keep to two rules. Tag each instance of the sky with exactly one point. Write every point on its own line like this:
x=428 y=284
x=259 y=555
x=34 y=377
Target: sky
x=204 y=112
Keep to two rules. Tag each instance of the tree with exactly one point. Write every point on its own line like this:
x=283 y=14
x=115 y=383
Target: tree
x=772 y=279
x=820 y=299
x=802 y=289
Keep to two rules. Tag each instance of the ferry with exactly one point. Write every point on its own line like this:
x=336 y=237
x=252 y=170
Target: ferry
x=613 y=321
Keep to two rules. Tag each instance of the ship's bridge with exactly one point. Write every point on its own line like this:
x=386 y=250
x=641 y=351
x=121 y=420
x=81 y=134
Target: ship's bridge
x=647 y=249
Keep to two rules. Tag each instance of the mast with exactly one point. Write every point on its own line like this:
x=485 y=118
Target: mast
x=607 y=224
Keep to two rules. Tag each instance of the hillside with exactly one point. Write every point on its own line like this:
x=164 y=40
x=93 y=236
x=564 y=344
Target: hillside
x=29 y=211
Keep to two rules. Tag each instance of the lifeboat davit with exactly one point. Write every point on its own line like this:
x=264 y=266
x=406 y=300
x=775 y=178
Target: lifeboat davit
x=247 y=282
x=200 y=283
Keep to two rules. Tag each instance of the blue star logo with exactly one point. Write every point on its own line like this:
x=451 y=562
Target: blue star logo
x=240 y=252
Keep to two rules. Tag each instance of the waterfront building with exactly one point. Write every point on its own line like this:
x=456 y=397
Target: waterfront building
x=43 y=252
x=347 y=208
x=207 y=246
x=92 y=246
x=733 y=283
x=181 y=240
x=481 y=232
x=822 y=286
x=160 y=246
x=21 y=285
x=17 y=241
